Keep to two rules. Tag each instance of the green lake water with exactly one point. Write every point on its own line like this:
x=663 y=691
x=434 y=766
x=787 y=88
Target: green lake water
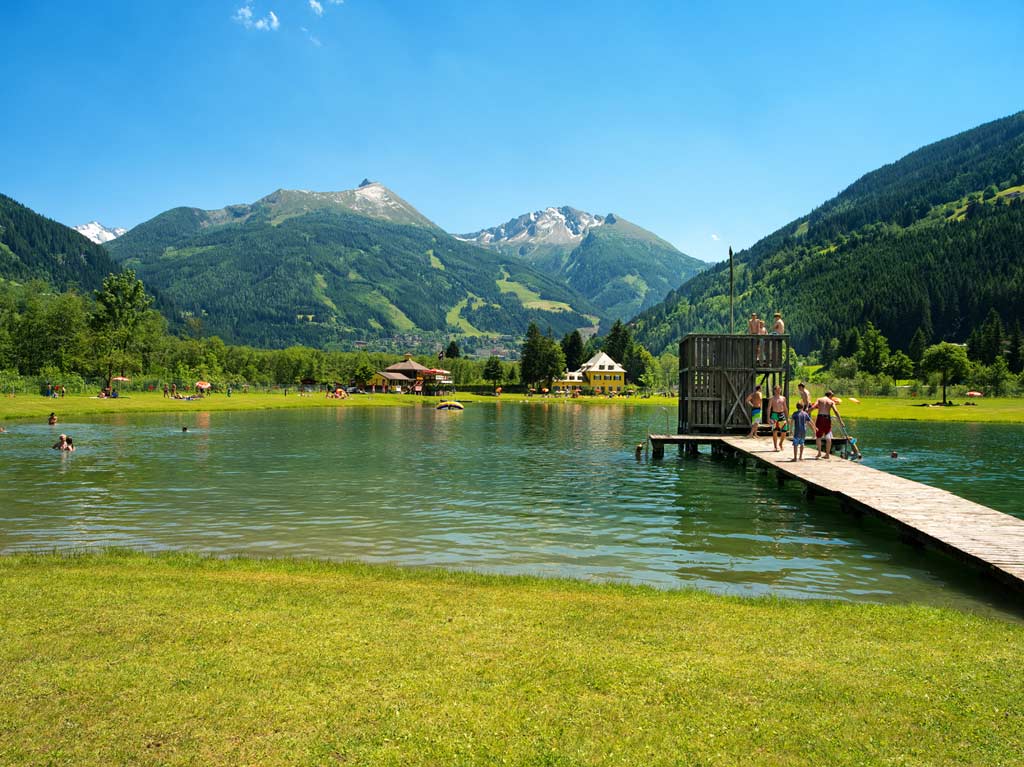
x=549 y=489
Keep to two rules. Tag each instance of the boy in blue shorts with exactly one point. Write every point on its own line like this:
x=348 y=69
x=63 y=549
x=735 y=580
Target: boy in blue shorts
x=801 y=418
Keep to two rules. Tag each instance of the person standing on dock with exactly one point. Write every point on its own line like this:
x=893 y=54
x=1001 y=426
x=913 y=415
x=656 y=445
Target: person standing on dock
x=755 y=400
x=778 y=415
x=825 y=406
x=805 y=396
x=801 y=420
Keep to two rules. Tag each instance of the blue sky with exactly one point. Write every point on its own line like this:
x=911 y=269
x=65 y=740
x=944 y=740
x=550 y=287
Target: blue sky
x=697 y=121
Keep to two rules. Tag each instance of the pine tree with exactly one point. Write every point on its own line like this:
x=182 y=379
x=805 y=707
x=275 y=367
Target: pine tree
x=452 y=352
x=572 y=347
x=531 y=357
x=918 y=343
x=992 y=333
x=617 y=344
x=493 y=371
x=850 y=345
x=1015 y=352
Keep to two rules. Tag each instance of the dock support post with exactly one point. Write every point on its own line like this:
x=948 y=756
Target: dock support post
x=780 y=478
x=657 y=450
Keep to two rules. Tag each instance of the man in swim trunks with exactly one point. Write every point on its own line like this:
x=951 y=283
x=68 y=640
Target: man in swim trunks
x=755 y=400
x=779 y=418
x=825 y=406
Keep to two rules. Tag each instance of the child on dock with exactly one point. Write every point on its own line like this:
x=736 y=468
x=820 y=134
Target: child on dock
x=801 y=420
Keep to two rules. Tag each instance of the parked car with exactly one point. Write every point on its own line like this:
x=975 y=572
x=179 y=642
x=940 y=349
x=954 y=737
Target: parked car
x=353 y=390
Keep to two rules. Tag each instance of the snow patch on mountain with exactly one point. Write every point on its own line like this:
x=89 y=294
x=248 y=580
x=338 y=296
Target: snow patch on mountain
x=98 y=233
x=551 y=226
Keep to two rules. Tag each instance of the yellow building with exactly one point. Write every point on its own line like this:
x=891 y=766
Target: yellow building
x=600 y=373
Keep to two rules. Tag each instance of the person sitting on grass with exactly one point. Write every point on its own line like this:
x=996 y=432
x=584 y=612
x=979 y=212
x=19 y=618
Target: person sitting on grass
x=801 y=420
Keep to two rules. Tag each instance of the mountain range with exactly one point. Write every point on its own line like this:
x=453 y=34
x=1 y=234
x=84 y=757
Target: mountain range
x=325 y=268
x=621 y=267
x=934 y=241
x=35 y=247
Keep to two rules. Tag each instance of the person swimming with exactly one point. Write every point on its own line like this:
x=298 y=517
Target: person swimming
x=64 y=443
x=52 y=420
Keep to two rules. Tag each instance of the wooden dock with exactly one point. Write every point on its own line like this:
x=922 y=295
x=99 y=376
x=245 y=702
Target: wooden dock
x=984 y=537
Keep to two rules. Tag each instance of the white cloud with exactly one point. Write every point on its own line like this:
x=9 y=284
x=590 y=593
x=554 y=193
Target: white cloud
x=336 y=2
x=714 y=237
x=244 y=16
x=316 y=7
x=311 y=37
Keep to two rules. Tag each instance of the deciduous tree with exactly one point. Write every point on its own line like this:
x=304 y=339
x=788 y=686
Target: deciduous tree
x=948 y=360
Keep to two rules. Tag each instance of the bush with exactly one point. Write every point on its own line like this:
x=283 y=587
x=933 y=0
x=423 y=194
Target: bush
x=11 y=382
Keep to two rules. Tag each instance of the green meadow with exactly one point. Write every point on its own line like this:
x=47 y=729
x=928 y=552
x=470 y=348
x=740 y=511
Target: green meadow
x=985 y=410
x=123 y=658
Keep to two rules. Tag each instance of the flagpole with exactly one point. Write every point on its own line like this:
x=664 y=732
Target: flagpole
x=732 y=314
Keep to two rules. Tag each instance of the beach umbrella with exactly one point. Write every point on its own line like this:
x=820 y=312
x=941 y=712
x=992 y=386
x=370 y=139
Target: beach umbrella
x=975 y=394
x=120 y=378
x=202 y=385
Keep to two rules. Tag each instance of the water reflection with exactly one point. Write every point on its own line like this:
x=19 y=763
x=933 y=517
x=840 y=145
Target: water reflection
x=543 y=488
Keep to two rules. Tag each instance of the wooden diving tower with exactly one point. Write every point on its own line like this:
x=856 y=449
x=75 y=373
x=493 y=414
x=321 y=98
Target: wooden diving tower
x=716 y=374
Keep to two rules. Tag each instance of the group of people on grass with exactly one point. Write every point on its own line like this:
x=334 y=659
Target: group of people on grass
x=780 y=419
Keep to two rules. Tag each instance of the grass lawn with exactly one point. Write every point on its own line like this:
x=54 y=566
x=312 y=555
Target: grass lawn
x=124 y=658
x=37 y=407
x=987 y=410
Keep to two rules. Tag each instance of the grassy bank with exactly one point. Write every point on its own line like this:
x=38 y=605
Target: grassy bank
x=127 y=659
x=36 y=407
x=988 y=410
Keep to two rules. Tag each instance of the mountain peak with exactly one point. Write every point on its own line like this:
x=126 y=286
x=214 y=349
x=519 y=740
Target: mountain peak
x=99 y=233
x=370 y=198
x=551 y=227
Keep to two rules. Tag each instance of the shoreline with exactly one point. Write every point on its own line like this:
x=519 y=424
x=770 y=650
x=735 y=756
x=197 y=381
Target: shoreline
x=1004 y=410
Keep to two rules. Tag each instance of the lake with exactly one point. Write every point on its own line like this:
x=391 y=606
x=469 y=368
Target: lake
x=543 y=488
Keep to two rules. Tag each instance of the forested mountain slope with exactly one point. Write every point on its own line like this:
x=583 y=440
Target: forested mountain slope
x=302 y=267
x=933 y=240
x=621 y=267
x=33 y=246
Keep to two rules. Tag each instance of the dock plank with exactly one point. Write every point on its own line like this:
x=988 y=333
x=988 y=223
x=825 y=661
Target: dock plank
x=984 y=536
